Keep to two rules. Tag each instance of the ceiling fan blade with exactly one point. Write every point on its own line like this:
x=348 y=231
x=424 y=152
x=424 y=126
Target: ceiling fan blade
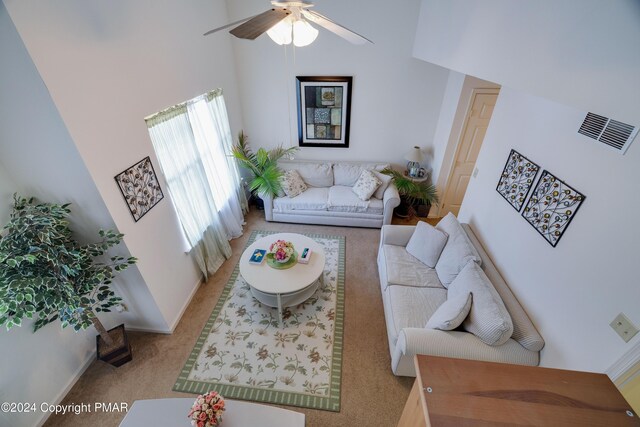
x=334 y=27
x=228 y=25
x=260 y=23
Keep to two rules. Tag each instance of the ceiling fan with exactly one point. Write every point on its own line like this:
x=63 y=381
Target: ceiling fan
x=285 y=23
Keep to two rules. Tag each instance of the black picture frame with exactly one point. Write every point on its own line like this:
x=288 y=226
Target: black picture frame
x=552 y=206
x=140 y=188
x=517 y=179
x=324 y=110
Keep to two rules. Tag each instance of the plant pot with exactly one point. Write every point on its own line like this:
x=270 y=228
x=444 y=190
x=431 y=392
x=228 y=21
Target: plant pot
x=423 y=210
x=257 y=201
x=402 y=210
x=120 y=353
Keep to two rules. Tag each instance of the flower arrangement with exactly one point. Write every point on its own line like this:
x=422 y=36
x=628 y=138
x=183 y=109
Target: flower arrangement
x=281 y=250
x=207 y=410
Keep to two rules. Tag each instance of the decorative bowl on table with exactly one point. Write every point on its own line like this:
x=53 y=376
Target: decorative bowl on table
x=281 y=255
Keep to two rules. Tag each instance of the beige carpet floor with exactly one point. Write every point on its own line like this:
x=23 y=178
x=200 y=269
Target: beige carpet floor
x=371 y=394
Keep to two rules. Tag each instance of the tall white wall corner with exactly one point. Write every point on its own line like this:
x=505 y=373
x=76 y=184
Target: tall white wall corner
x=502 y=41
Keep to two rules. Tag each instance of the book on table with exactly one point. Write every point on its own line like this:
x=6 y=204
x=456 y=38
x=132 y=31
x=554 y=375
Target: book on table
x=258 y=256
x=304 y=256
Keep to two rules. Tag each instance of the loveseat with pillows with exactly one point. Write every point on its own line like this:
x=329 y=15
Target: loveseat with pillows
x=352 y=194
x=443 y=296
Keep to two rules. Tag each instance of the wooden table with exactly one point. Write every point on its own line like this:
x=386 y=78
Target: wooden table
x=458 y=392
x=173 y=413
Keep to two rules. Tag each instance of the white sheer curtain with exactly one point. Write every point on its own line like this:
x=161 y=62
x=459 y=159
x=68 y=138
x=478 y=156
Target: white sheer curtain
x=205 y=190
x=218 y=111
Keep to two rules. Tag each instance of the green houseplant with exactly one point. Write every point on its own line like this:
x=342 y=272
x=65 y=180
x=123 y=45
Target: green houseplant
x=412 y=194
x=263 y=166
x=45 y=274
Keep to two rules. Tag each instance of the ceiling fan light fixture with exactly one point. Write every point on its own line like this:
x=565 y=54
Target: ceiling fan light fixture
x=281 y=32
x=285 y=24
x=303 y=33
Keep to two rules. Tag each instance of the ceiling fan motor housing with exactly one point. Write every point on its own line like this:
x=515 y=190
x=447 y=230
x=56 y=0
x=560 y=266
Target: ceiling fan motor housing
x=302 y=4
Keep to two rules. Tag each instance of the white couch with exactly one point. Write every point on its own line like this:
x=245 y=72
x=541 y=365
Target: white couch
x=329 y=199
x=411 y=293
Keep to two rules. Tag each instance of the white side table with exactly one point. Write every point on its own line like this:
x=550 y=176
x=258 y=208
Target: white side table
x=173 y=413
x=419 y=178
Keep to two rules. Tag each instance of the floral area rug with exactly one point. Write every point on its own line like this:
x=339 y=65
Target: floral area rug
x=243 y=353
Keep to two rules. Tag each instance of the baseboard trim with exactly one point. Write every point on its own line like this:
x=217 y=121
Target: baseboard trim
x=148 y=330
x=175 y=322
x=63 y=393
x=631 y=358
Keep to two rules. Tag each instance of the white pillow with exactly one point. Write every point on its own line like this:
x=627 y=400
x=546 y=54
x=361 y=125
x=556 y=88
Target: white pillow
x=292 y=183
x=314 y=174
x=426 y=243
x=385 y=179
x=366 y=185
x=346 y=173
x=451 y=313
x=488 y=318
x=456 y=253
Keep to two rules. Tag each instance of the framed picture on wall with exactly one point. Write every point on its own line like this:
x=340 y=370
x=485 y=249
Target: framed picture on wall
x=552 y=206
x=517 y=179
x=324 y=111
x=140 y=188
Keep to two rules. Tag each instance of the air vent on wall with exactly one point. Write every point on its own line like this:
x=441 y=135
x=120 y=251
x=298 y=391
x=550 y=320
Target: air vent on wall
x=614 y=134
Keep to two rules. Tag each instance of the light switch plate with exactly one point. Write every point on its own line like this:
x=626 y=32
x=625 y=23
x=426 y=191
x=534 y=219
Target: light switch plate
x=623 y=326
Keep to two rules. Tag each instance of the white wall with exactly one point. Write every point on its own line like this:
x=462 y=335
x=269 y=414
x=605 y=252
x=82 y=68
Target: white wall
x=108 y=65
x=453 y=112
x=38 y=158
x=395 y=99
x=582 y=53
x=7 y=188
x=574 y=290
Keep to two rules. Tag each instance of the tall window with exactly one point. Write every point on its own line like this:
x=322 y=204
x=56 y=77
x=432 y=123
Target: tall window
x=193 y=144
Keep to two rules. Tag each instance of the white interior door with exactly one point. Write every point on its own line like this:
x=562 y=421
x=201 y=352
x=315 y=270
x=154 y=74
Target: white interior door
x=473 y=131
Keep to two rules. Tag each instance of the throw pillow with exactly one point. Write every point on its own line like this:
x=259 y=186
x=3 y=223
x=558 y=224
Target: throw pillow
x=426 y=243
x=456 y=253
x=386 y=180
x=366 y=185
x=451 y=313
x=292 y=183
x=488 y=318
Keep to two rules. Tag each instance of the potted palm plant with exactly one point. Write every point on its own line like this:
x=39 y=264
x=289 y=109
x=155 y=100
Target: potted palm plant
x=263 y=166
x=45 y=274
x=415 y=197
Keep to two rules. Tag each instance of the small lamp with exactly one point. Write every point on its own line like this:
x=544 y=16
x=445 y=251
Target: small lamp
x=414 y=157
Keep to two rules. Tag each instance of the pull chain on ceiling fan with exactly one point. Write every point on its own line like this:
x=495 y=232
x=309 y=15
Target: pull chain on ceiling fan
x=285 y=23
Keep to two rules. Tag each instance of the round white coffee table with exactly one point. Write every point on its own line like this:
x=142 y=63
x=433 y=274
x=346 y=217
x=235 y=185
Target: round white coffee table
x=283 y=288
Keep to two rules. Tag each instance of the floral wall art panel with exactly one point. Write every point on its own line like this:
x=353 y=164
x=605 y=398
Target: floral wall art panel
x=140 y=188
x=517 y=179
x=552 y=206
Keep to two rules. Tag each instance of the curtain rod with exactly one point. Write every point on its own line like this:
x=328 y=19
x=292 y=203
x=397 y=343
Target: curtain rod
x=208 y=95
